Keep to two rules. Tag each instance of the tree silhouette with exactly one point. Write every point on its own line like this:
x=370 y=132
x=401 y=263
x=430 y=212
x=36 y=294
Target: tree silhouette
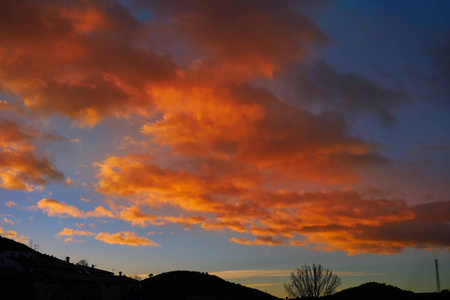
x=314 y=281
x=83 y=263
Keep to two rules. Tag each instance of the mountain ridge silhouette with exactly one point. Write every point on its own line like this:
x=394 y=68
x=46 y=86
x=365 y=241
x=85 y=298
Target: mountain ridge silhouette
x=188 y=285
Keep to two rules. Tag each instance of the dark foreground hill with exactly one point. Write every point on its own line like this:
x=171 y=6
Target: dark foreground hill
x=11 y=245
x=29 y=274
x=381 y=291
x=179 y=285
x=373 y=290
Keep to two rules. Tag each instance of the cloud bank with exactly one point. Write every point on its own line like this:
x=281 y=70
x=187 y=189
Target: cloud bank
x=215 y=147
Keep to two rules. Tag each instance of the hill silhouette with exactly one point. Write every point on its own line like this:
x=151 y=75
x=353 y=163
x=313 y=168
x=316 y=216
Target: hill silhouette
x=179 y=285
x=373 y=290
x=36 y=274
x=11 y=245
x=381 y=291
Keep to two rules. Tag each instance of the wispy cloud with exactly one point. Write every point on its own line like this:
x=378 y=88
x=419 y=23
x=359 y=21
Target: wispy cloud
x=9 y=233
x=240 y=274
x=72 y=232
x=122 y=238
x=358 y=273
x=14 y=235
x=8 y=221
x=11 y=203
x=260 y=285
x=61 y=209
x=125 y=238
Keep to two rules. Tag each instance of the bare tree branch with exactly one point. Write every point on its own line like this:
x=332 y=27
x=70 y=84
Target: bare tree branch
x=312 y=281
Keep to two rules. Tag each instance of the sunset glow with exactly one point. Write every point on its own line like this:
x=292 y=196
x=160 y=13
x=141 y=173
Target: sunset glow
x=241 y=138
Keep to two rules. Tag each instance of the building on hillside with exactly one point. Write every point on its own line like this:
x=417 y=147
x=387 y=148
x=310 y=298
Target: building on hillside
x=10 y=259
x=28 y=275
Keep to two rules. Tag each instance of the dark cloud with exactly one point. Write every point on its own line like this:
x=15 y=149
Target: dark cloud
x=439 y=81
x=318 y=84
x=242 y=37
x=410 y=233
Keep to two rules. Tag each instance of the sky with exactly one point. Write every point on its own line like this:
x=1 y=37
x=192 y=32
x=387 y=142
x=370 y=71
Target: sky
x=239 y=138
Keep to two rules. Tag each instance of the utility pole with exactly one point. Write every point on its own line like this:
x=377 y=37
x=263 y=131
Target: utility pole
x=438 y=284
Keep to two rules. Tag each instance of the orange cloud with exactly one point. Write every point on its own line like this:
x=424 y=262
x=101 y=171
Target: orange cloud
x=348 y=220
x=10 y=234
x=261 y=240
x=100 y=212
x=125 y=238
x=20 y=167
x=131 y=214
x=251 y=126
x=11 y=203
x=72 y=232
x=299 y=243
x=61 y=209
x=68 y=70
x=134 y=215
x=8 y=221
x=187 y=222
x=135 y=174
x=84 y=199
x=68 y=182
x=234 y=225
x=68 y=240
x=13 y=235
x=122 y=238
x=238 y=148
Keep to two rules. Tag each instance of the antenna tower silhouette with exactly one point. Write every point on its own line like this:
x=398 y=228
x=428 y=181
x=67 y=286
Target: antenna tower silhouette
x=438 y=284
